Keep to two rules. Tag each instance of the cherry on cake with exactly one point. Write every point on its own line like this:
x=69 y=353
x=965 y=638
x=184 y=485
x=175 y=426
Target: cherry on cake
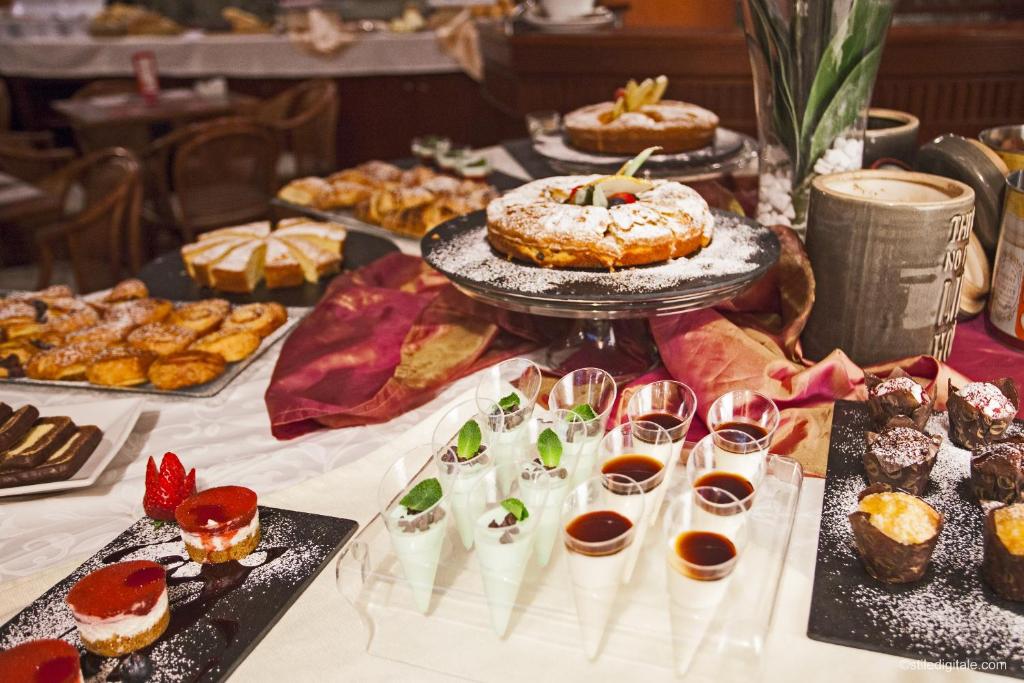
x=120 y=608
x=219 y=524
x=41 y=661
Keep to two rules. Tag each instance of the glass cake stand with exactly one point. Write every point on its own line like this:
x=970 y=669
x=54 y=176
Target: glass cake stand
x=605 y=307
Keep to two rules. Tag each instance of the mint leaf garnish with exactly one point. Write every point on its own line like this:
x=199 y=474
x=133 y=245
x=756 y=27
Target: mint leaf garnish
x=585 y=411
x=157 y=523
x=509 y=402
x=469 y=440
x=516 y=507
x=550 y=448
x=422 y=496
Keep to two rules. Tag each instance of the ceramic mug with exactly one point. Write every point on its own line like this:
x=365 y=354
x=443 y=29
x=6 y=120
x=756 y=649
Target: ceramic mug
x=890 y=134
x=888 y=250
x=560 y=10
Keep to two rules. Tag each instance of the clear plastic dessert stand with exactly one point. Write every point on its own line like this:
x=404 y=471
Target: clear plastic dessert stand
x=593 y=306
x=455 y=637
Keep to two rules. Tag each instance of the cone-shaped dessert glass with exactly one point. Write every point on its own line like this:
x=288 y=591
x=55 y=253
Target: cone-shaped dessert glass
x=505 y=521
x=706 y=470
x=417 y=536
x=600 y=518
x=669 y=403
x=459 y=469
x=643 y=452
x=748 y=416
x=591 y=387
x=701 y=551
x=571 y=431
x=511 y=388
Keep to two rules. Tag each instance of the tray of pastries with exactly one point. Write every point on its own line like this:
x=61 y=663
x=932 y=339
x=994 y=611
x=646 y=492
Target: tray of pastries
x=236 y=259
x=383 y=198
x=127 y=341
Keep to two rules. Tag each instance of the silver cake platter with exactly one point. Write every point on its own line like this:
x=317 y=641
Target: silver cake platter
x=741 y=251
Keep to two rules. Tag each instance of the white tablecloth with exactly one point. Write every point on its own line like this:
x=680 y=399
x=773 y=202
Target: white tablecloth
x=194 y=55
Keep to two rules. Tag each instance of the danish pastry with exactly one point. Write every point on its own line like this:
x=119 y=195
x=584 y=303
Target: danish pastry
x=185 y=369
x=162 y=339
x=120 y=366
x=108 y=333
x=230 y=344
x=138 y=311
x=14 y=355
x=126 y=290
x=260 y=318
x=201 y=316
x=305 y=191
x=341 y=195
x=66 y=363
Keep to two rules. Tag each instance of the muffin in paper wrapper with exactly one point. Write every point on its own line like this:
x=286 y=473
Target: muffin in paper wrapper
x=885 y=558
x=997 y=473
x=901 y=403
x=969 y=427
x=913 y=477
x=1002 y=570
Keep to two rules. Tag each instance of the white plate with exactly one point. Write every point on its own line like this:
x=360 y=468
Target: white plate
x=115 y=418
x=599 y=18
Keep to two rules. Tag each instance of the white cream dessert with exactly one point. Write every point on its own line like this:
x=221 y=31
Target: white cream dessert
x=503 y=545
x=462 y=463
x=556 y=461
x=417 y=537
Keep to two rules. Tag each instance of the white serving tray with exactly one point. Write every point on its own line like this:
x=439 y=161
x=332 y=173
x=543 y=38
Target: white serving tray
x=456 y=636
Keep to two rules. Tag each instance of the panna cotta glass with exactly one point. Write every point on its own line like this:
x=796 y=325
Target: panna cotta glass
x=571 y=431
x=505 y=518
x=706 y=470
x=667 y=403
x=643 y=452
x=510 y=387
x=417 y=536
x=591 y=387
x=600 y=519
x=701 y=552
x=747 y=422
x=460 y=471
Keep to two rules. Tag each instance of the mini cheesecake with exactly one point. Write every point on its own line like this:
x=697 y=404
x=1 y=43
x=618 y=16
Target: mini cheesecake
x=897 y=398
x=41 y=661
x=219 y=524
x=120 y=608
x=895 y=533
x=997 y=473
x=1003 y=562
x=902 y=457
x=981 y=412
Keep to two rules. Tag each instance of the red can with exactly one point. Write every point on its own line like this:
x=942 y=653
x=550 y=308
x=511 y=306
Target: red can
x=146 y=78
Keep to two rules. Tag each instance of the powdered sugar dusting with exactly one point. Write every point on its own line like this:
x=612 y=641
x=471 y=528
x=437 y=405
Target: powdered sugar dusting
x=901 y=447
x=888 y=386
x=987 y=398
x=950 y=614
x=733 y=251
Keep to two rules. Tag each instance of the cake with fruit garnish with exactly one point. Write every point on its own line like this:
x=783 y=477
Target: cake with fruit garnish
x=219 y=524
x=600 y=221
x=120 y=608
x=41 y=661
x=640 y=118
x=981 y=412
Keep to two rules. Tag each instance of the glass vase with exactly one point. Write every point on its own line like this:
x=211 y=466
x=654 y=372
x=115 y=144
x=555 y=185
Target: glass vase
x=814 y=65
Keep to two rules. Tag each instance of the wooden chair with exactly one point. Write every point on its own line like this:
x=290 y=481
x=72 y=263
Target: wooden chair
x=223 y=173
x=95 y=234
x=5 y=106
x=133 y=136
x=305 y=118
x=21 y=157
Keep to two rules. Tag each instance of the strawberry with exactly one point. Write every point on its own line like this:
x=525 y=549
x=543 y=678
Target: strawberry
x=167 y=488
x=620 y=92
x=621 y=198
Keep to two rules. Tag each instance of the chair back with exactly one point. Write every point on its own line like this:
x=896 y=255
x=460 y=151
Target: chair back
x=224 y=173
x=5 y=106
x=24 y=161
x=306 y=120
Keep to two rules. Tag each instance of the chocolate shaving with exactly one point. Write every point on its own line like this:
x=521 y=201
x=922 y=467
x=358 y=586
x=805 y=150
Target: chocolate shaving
x=509 y=520
x=902 y=457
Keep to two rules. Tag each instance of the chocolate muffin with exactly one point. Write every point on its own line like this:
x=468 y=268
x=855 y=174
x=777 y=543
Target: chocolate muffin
x=895 y=533
x=981 y=412
x=902 y=457
x=997 y=473
x=1002 y=564
x=897 y=396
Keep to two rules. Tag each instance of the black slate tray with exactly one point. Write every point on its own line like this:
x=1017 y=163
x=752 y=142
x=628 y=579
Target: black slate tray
x=219 y=613
x=950 y=615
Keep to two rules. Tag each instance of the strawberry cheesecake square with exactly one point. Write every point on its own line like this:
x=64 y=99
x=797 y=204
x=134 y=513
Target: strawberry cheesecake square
x=219 y=524
x=41 y=661
x=120 y=608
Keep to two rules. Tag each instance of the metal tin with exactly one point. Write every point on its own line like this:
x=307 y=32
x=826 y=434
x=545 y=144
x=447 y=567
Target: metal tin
x=1008 y=143
x=1006 y=304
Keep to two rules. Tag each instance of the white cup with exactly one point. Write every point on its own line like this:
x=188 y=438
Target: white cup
x=561 y=10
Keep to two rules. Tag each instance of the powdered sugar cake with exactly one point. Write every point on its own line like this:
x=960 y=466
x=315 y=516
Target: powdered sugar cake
x=949 y=615
x=218 y=612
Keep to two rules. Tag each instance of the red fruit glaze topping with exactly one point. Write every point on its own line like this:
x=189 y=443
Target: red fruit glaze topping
x=118 y=589
x=217 y=510
x=167 y=488
x=40 y=661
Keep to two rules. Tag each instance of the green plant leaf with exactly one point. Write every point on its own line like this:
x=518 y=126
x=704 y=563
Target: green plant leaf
x=469 y=440
x=550 y=448
x=585 y=411
x=844 y=108
x=516 y=507
x=510 y=402
x=422 y=496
